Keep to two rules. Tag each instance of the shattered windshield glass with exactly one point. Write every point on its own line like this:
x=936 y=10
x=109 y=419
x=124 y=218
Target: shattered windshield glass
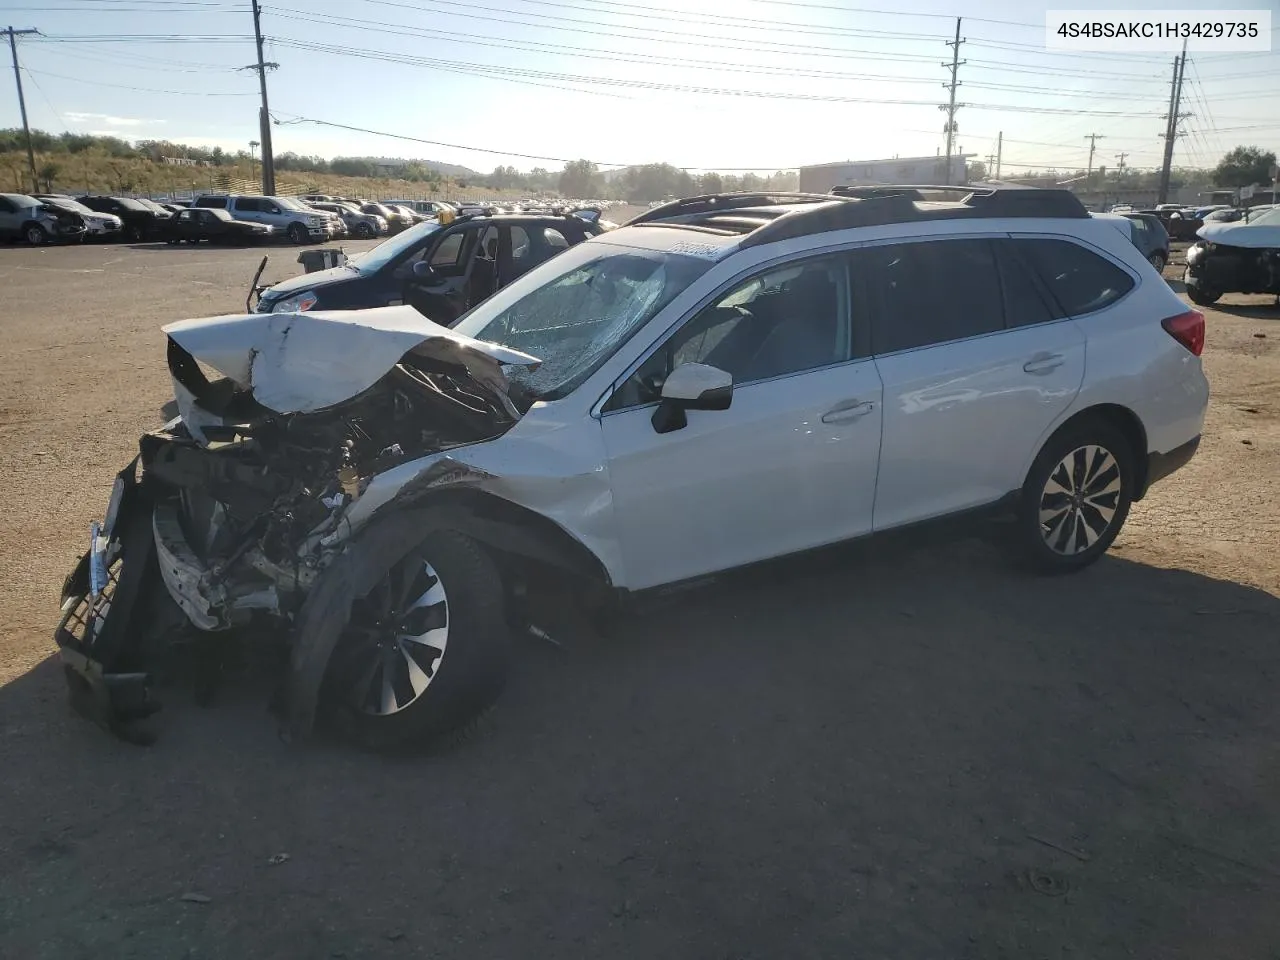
x=585 y=303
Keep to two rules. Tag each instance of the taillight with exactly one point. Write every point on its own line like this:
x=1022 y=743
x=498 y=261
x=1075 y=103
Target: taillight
x=1188 y=329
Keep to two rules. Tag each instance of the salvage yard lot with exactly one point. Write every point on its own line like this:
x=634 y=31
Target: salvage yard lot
x=891 y=753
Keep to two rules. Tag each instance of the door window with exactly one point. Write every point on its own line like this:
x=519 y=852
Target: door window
x=248 y=205
x=6 y=206
x=931 y=292
x=555 y=239
x=787 y=320
x=186 y=216
x=449 y=252
x=521 y=251
x=1024 y=302
x=1079 y=281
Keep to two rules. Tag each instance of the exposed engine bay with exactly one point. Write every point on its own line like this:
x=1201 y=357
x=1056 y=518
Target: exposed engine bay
x=256 y=495
x=236 y=507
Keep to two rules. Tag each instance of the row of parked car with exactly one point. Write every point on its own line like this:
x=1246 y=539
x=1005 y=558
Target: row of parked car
x=61 y=218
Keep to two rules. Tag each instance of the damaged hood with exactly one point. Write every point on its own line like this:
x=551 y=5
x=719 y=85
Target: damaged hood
x=303 y=362
x=1253 y=236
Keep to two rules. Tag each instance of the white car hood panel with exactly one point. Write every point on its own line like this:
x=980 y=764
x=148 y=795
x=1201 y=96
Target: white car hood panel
x=1250 y=236
x=303 y=362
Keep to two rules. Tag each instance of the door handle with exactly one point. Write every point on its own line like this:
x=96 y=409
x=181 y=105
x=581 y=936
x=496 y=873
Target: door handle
x=1044 y=364
x=848 y=411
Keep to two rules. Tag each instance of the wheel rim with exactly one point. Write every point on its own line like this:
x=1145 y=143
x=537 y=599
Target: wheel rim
x=1157 y=261
x=35 y=236
x=1080 y=499
x=83 y=615
x=396 y=638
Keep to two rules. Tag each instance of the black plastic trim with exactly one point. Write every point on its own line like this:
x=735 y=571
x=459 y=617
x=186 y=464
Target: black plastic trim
x=1160 y=465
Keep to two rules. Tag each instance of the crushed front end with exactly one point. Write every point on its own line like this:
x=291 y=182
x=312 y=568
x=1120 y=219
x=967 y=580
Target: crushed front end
x=230 y=512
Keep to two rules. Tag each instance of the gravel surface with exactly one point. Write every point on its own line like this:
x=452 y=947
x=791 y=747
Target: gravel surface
x=898 y=752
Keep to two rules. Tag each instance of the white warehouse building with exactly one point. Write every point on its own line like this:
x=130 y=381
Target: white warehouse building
x=822 y=177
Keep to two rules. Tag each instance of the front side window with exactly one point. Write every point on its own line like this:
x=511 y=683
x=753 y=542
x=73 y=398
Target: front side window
x=1079 y=280
x=786 y=320
x=449 y=252
x=575 y=311
x=931 y=292
x=249 y=205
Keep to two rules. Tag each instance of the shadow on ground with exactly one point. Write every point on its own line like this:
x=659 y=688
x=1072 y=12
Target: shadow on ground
x=895 y=754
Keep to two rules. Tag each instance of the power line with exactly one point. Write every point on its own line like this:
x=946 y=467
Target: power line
x=505 y=72
x=597 y=53
x=121 y=86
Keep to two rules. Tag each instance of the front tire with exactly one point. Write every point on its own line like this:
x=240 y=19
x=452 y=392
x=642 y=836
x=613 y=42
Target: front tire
x=1157 y=260
x=1076 y=497
x=366 y=231
x=424 y=653
x=298 y=233
x=35 y=235
x=1203 y=297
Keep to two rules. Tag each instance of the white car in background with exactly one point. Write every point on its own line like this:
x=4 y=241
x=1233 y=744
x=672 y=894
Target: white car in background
x=98 y=226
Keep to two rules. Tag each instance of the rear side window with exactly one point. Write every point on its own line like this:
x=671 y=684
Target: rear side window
x=1079 y=280
x=555 y=239
x=931 y=292
x=248 y=205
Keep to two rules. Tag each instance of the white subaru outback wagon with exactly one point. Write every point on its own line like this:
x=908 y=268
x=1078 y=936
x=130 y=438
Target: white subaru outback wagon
x=724 y=380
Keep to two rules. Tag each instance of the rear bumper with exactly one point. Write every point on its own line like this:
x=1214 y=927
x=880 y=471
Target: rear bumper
x=1160 y=465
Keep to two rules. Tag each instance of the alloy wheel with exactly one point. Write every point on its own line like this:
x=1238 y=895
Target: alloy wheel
x=1080 y=499
x=35 y=235
x=396 y=639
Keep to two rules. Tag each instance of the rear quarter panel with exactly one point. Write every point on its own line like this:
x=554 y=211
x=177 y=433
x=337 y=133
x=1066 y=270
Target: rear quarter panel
x=1130 y=360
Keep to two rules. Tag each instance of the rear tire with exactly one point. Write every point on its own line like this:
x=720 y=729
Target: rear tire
x=1202 y=297
x=1157 y=260
x=388 y=691
x=1076 y=497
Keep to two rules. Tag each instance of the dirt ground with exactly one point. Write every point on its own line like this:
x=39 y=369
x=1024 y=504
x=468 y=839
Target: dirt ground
x=908 y=752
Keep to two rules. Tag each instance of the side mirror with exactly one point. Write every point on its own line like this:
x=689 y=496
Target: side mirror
x=691 y=386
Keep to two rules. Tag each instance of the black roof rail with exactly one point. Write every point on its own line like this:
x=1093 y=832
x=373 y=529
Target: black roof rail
x=716 y=202
x=840 y=213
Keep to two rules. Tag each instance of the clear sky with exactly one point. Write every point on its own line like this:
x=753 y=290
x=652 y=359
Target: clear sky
x=702 y=84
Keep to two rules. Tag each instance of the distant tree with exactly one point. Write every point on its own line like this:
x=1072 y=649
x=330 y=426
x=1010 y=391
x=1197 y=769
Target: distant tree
x=1244 y=166
x=711 y=183
x=976 y=170
x=579 y=179
x=49 y=173
x=750 y=182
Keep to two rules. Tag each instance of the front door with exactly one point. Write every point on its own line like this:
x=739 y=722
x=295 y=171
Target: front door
x=446 y=295
x=976 y=366
x=790 y=465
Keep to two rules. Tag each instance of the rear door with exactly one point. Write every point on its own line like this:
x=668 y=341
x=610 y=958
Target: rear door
x=8 y=217
x=976 y=365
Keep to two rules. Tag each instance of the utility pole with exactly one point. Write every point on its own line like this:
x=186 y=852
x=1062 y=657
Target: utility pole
x=264 y=117
x=951 y=106
x=1120 y=158
x=22 y=101
x=999 y=151
x=1171 y=127
x=1093 y=139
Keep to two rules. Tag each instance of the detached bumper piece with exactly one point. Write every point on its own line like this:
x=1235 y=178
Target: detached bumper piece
x=101 y=629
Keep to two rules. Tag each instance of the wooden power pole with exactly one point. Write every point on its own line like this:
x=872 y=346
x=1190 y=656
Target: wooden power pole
x=22 y=101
